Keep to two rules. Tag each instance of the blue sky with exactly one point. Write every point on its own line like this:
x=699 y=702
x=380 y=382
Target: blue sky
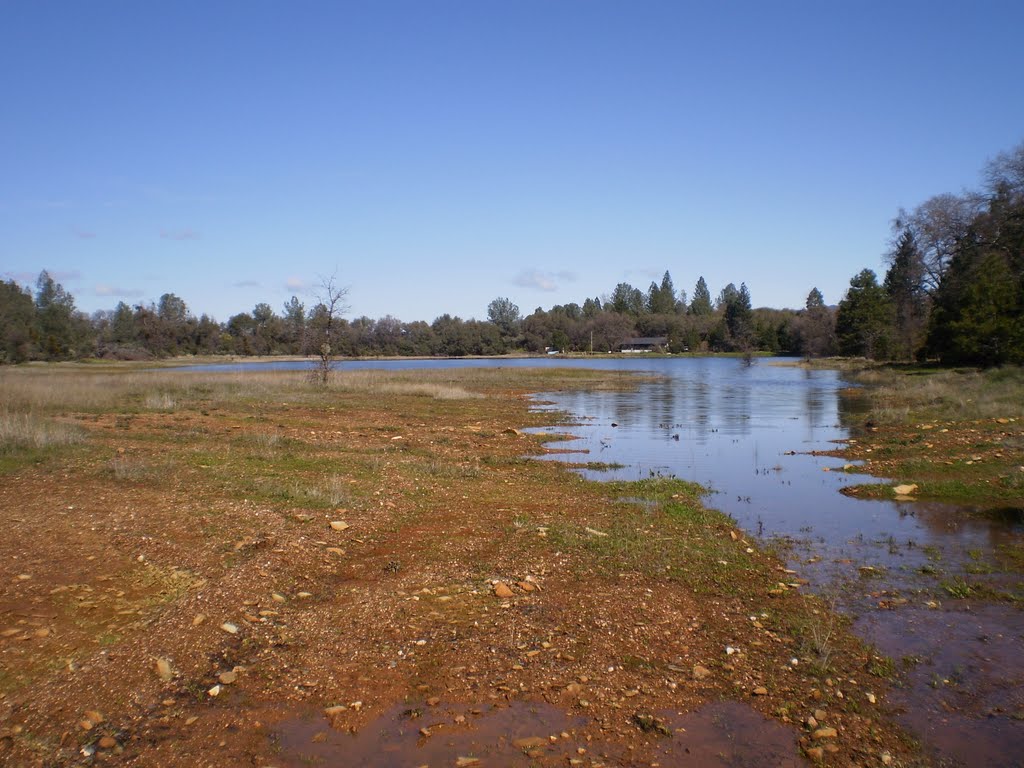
x=436 y=155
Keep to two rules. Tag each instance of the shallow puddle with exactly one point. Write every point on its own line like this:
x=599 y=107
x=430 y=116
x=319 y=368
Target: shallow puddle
x=962 y=679
x=488 y=734
x=726 y=734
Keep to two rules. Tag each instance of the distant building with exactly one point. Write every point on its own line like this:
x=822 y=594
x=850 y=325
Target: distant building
x=644 y=344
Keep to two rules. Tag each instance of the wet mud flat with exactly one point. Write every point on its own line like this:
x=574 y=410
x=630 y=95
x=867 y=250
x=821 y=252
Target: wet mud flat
x=247 y=572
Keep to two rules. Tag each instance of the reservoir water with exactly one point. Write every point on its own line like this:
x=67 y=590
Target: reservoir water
x=750 y=433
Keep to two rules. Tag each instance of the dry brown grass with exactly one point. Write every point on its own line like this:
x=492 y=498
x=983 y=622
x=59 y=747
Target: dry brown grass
x=21 y=431
x=898 y=397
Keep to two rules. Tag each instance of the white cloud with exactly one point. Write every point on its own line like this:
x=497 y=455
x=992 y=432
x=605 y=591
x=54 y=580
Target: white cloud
x=297 y=284
x=102 y=289
x=544 y=281
x=645 y=273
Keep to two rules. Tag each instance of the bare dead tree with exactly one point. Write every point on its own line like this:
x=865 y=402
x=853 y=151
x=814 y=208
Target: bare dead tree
x=324 y=323
x=938 y=225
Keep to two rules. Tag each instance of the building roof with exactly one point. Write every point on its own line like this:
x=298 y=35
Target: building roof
x=644 y=341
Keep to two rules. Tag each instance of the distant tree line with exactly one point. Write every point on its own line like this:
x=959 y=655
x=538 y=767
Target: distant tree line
x=45 y=325
x=954 y=290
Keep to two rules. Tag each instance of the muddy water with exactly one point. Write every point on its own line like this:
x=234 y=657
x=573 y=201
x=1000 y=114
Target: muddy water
x=747 y=433
x=533 y=734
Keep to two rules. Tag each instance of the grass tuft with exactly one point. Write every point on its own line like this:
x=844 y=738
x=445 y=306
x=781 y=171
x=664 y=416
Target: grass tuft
x=27 y=431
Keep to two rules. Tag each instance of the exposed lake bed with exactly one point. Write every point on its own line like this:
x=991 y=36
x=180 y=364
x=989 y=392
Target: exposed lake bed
x=385 y=540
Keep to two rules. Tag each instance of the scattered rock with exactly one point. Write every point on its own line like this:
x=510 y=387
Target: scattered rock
x=164 y=670
x=816 y=753
x=701 y=673
x=760 y=691
x=227 y=677
x=824 y=733
x=595 y=532
x=107 y=742
x=905 y=490
x=501 y=589
x=530 y=742
x=340 y=525
x=526 y=586
x=464 y=762
x=277 y=597
x=199 y=619
x=651 y=724
x=214 y=691
x=230 y=628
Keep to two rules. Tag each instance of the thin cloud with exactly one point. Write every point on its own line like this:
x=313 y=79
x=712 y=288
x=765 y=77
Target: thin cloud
x=102 y=289
x=65 y=275
x=29 y=277
x=21 y=277
x=297 y=284
x=647 y=273
x=178 y=234
x=85 y=235
x=544 y=281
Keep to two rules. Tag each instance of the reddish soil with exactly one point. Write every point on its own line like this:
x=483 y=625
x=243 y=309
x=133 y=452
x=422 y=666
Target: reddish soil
x=161 y=607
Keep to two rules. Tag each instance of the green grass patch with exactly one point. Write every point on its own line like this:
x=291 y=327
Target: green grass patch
x=662 y=531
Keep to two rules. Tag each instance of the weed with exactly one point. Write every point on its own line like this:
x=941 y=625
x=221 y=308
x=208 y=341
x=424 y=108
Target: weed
x=957 y=588
x=21 y=432
x=881 y=666
x=126 y=468
x=158 y=401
